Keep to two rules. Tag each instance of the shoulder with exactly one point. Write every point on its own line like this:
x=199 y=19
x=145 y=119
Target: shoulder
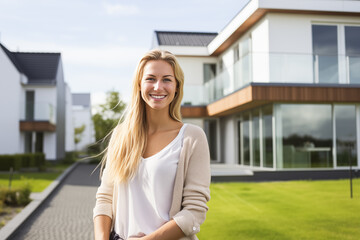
x=194 y=132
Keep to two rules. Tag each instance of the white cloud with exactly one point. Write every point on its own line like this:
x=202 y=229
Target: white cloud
x=119 y=9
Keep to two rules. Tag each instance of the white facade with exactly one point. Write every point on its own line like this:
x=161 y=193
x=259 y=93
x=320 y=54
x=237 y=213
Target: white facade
x=69 y=123
x=82 y=116
x=40 y=120
x=10 y=92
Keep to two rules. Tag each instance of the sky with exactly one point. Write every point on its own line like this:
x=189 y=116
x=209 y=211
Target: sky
x=101 y=41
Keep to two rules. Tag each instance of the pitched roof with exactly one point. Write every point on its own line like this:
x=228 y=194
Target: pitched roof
x=40 y=68
x=82 y=99
x=198 y=39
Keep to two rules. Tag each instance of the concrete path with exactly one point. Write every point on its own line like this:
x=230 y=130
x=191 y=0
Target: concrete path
x=67 y=213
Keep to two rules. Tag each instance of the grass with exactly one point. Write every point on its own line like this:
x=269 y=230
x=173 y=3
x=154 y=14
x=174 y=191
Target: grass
x=38 y=180
x=283 y=210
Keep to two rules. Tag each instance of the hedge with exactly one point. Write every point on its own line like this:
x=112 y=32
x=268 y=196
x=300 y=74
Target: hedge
x=19 y=161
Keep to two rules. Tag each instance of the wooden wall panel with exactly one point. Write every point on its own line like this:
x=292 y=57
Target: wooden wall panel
x=37 y=126
x=253 y=96
x=193 y=111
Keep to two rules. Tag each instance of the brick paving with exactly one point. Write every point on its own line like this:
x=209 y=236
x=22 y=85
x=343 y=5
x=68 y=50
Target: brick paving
x=67 y=213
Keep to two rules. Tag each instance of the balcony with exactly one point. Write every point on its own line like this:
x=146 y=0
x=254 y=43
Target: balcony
x=280 y=68
x=39 y=117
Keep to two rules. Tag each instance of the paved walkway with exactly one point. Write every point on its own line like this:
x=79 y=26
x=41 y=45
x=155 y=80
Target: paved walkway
x=67 y=214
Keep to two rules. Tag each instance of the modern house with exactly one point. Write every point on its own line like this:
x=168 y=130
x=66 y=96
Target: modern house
x=278 y=89
x=82 y=117
x=33 y=102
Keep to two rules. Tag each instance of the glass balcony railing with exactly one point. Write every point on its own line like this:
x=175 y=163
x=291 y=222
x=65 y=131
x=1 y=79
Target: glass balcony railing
x=276 y=68
x=38 y=111
x=194 y=95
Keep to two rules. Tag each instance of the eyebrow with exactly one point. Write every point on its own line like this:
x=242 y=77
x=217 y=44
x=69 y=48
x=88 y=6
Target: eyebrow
x=151 y=75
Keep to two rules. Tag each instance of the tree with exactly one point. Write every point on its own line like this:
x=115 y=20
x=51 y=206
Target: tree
x=78 y=133
x=108 y=115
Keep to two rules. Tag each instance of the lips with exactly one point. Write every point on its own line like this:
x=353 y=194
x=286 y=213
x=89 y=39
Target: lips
x=157 y=96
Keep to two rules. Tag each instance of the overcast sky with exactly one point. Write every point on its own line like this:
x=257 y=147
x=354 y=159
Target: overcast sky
x=102 y=41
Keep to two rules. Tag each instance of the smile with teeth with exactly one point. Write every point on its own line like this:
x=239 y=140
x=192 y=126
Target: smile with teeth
x=157 y=96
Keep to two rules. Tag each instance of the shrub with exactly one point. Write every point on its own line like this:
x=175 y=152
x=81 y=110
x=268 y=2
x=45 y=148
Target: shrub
x=39 y=161
x=8 y=161
x=19 y=196
x=18 y=161
x=70 y=157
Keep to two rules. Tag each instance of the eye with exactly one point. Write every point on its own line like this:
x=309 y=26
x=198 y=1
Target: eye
x=150 y=79
x=167 y=80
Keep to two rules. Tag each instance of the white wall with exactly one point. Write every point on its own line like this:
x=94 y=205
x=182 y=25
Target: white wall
x=260 y=49
x=69 y=125
x=195 y=121
x=45 y=99
x=82 y=116
x=50 y=145
x=228 y=134
x=10 y=90
x=194 y=91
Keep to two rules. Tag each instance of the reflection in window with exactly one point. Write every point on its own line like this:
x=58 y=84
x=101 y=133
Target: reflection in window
x=352 y=46
x=211 y=134
x=246 y=138
x=256 y=138
x=325 y=50
x=267 y=137
x=345 y=135
x=209 y=71
x=306 y=136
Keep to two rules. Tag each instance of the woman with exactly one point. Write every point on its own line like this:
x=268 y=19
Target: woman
x=156 y=171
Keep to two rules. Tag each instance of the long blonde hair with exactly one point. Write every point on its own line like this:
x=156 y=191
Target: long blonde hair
x=128 y=139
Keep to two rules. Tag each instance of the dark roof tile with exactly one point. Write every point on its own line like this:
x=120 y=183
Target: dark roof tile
x=40 y=68
x=184 y=38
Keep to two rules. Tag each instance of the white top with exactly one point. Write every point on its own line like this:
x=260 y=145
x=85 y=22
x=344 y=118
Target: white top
x=144 y=203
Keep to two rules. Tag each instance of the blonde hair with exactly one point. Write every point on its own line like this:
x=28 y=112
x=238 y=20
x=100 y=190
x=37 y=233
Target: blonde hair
x=128 y=139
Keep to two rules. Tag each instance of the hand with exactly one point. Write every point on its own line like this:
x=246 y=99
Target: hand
x=138 y=236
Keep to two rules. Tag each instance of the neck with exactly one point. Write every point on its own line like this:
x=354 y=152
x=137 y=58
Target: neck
x=158 y=120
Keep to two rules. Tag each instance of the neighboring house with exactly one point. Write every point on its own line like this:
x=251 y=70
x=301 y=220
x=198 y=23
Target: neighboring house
x=81 y=110
x=33 y=103
x=279 y=87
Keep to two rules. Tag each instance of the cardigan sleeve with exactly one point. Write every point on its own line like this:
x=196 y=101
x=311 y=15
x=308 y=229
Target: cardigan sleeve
x=104 y=196
x=196 y=192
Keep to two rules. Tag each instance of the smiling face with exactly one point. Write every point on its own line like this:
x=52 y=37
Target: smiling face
x=158 y=84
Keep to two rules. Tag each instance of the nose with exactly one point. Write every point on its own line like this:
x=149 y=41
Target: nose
x=157 y=85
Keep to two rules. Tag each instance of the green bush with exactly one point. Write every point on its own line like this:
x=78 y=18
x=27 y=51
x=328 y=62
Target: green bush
x=39 y=161
x=16 y=196
x=10 y=161
x=18 y=161
x=70 y=157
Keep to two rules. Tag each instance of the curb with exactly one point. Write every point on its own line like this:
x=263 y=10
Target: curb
x=37 y=199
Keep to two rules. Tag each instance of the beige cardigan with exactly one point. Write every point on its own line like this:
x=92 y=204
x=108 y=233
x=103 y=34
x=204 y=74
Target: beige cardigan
x=191 y=186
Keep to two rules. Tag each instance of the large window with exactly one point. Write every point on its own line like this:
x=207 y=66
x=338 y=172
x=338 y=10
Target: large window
x=345 y=119
x=325 y=49
x=352 y=46
x=246 y=139
x=210 y=127
x=267 y=116
x=256 y=137
x=306 y=140
x=209 y=71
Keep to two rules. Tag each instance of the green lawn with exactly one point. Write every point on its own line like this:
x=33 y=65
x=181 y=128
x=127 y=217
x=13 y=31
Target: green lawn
x=283 y=210
x=38 y=180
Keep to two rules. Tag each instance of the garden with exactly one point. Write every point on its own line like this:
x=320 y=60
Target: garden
x=22 y=174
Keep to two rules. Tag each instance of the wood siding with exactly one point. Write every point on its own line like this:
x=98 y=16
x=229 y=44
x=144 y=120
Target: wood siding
x=37 y=126
x=257 y=95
